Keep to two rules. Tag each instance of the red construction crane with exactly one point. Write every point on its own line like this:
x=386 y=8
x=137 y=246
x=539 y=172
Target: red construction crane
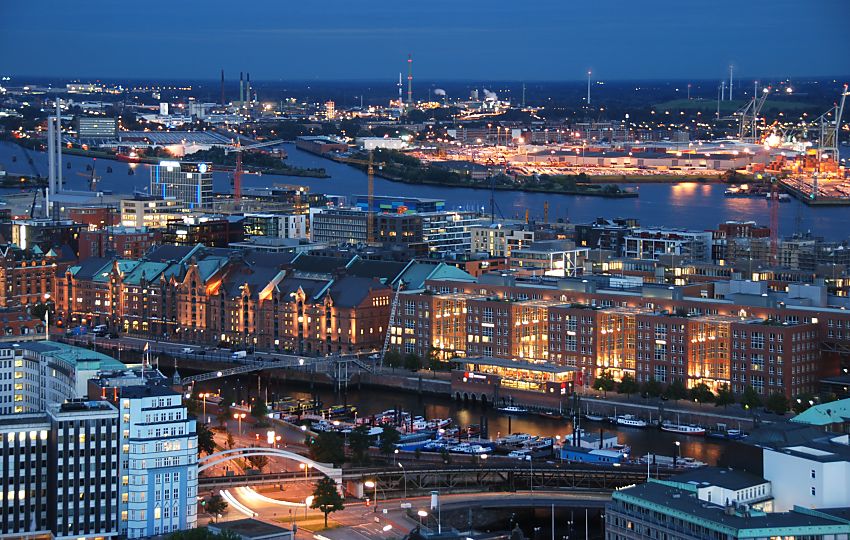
x=237 y=173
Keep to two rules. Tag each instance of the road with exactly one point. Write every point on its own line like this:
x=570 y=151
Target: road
x=389 y=520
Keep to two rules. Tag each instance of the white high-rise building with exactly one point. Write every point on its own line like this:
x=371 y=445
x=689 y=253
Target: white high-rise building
x=158 y=449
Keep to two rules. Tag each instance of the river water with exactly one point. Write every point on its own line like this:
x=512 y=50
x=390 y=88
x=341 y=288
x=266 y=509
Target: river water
x=372 y=401
x=690 y=205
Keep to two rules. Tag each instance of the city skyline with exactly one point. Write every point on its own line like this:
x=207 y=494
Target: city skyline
x=500 y=42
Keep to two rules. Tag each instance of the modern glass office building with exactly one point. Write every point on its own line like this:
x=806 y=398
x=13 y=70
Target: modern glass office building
x=190 y=183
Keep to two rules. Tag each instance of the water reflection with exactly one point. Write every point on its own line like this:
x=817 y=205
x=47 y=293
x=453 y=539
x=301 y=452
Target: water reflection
x=692 y=205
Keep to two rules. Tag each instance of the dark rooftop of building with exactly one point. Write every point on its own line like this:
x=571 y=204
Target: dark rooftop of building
x=684 y=504
x=717 y=476
x=249 y=528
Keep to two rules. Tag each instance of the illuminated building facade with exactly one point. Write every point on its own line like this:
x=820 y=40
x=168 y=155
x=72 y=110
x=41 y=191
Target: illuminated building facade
x=187 y=182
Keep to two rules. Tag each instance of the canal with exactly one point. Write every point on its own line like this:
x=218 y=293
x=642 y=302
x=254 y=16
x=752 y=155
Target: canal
x=370 y=401
x=690 y=205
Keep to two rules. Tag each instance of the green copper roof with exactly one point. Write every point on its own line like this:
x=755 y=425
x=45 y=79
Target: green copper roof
x=78 y=356
x=824 y=414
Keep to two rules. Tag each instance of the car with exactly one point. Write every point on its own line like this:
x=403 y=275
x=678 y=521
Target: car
x=187 y=350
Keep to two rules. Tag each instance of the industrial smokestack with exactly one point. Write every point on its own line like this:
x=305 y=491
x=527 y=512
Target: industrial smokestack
x=410 y=79
x=58 y=146
x=51 y=155
x=248 y=87
x=222 y=88
x=241 y=90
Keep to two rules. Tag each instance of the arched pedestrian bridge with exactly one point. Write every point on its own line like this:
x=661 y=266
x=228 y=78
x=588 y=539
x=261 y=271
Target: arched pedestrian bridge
x=224 y=456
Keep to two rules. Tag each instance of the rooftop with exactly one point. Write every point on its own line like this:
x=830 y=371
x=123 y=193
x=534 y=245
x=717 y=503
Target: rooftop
x=824 y=414
x=718 y=476
x=683 y=504
x=249 y=528
x=78 y=356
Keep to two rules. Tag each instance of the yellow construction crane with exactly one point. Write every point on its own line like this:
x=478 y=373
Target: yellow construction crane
x=370 y=174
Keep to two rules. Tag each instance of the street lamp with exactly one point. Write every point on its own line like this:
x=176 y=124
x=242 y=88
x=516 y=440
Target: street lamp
x=676 y=456
x=404 y=473
x=421 y=514
x=202 y=396
x=395 y=456
x=306 y=468
x=307 y=502
x=239 y=417
x=373 y=484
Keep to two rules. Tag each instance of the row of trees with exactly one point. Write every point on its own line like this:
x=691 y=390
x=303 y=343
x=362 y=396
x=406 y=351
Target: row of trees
x=329 y=447
x=414 y=362
x=700 y=393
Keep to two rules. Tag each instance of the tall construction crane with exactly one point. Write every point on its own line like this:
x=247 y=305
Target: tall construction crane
x=774 y=221
x=370 y=175
x=748 y=127
x=237 y=173
x=393 y=311
x=93 y=177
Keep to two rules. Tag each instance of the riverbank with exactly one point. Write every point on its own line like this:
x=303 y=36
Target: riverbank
x=449 y=181
x=438 y=384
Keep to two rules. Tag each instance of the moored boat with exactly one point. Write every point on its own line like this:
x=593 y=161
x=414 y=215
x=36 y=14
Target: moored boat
x=684 y=429
x=629 y=420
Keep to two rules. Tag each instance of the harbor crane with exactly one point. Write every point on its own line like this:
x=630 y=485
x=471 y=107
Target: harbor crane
x=237 y=173
x=829 y=128
x=749 y=115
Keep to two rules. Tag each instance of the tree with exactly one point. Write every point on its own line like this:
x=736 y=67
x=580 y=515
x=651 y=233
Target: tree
x=412 y=362
x=359 y=443
x=389 y=437
x=725 y=397
x=777 y=403
x=259 y=462
x=627 y=385
x=260 y=411
x=652 y=388
x=701 y=393
x=676 y=390
x=434 y=362
x=206 y=442
x=223 y=412
x=326 y=498
x=230 y=441
x=605 y=382
x=327 y=447
x=750 y=399
x=392 y=359
x=216 y=505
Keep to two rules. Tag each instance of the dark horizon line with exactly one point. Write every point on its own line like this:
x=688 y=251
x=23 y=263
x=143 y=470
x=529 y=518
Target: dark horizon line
x=217 y=80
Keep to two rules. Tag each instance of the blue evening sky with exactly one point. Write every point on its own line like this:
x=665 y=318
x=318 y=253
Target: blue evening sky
x=370 y=39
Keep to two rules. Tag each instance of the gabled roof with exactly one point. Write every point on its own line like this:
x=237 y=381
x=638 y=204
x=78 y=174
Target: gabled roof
x=166 y=252
x=256 y=278
x=350 y=291
x=146 y=270
x=385 y=271
x=313 y=288
x=208 y=267
x=125 y=266
x=317 y=264
x=91 y=267
x=417 y=272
